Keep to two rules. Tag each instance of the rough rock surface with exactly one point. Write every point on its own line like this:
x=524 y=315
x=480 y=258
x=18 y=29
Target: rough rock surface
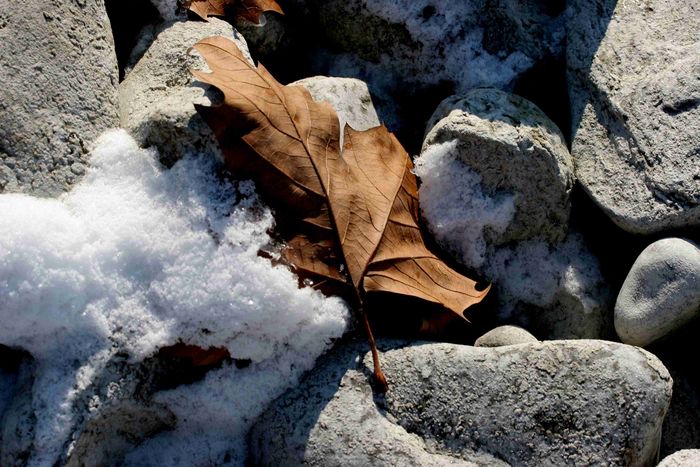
x=157 y=97
x=554 y=403
x=635 y=97
x=505 y=335
x=58 y=91
x=349 y=97
x=517 y=152
x=661 y=292
x=684 y=458
x=332 y=419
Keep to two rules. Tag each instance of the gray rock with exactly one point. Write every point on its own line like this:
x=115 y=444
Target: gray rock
x=661 y=292
x=505 y=335
x=58 y=91
x=635 y=101
x=684 y=458
x=553 y=403
x=517 y=152
x=349 y=97
x=157 y=97
x=332 y=419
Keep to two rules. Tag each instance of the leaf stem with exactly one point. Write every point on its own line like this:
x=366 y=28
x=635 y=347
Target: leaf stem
x=378 y=373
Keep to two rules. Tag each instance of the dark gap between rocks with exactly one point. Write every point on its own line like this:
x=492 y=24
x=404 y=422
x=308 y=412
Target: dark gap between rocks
x=128 y=18
x=296 y=56
x=545 y=85
x=678 y=352
x=414 y=109
x=401 y=317
x=552 y=7
x=11 y=359
x=615 y=248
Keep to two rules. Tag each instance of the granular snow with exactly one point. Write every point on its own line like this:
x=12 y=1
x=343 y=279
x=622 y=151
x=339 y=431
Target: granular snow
x=455 y=206
x=135 y=258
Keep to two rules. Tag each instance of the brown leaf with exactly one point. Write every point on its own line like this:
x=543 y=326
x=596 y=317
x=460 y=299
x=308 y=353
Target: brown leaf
x=196 y=356
x=246 y=9
x=354 y=207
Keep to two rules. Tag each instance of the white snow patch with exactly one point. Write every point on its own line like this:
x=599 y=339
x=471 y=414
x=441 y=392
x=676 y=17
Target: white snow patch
x=135 y=258
x=535 y=272
x=454 y=205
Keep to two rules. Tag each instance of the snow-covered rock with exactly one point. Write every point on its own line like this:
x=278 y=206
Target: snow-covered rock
x=157 y=97
x=133 y=259
x=505 y=335
x=635 y=96
x=495 y=183
x=117 y=430
x=404 y=47
x=349 y=97
x=683 y=458
x=661 y=292
x=554 y=403
x=58 y=92
x=517 y=153
x=555 y=290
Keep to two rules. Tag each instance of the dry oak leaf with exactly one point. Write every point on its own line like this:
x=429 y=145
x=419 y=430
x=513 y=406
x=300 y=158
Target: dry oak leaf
x=246 y=9
x=346 y=203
